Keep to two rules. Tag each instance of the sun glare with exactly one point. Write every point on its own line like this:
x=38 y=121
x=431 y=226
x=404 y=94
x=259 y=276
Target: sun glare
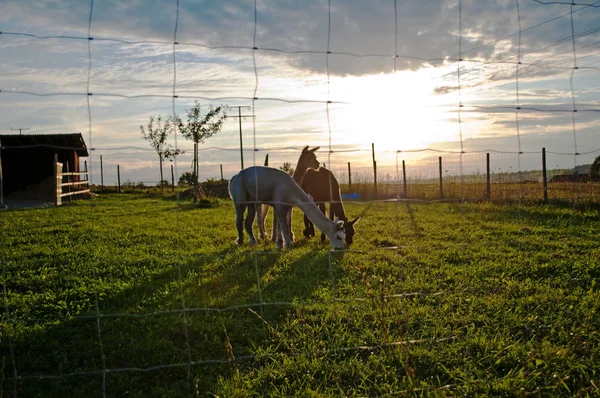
x=400 y=111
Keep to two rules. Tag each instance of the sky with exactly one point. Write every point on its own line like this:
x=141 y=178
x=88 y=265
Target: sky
x=412 y=80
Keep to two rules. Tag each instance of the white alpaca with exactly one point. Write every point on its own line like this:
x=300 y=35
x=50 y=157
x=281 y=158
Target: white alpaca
x=259 y=184
x=307 y=160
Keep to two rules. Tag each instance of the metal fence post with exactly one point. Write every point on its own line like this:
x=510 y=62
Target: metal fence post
x=349 y=178
x=404 y=180
x=487 y=171
x=544 y=175
x=441 y=180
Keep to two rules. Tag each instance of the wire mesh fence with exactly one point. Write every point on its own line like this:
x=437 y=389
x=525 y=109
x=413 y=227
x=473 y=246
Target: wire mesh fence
x=197 y=330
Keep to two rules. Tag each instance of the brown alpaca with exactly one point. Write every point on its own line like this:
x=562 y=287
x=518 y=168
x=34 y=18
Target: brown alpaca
x=306 y=161
x=316 y=184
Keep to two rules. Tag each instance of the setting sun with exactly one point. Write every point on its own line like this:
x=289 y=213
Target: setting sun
x=398 y=109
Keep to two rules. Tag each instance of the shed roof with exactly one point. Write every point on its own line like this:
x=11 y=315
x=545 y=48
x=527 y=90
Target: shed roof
x=72 y=141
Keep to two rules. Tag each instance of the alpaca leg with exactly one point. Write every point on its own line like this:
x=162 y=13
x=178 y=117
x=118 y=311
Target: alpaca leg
x=282 y=212
x=265 y=212
x=260 y=221
x=309 y=228
x=249 y=222
x=275 y=231
x=289 y=223
x=239 y=222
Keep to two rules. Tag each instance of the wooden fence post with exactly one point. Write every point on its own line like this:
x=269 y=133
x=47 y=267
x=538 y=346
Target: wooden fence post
x=441 y=180
x=374 y=170
x=349 y=178
x=487 y=171
x=118 y=179
x=69 y=179
x=101 y=175
x=221 y=167
x=544 y=176
x=57 y=181
x=404 y=180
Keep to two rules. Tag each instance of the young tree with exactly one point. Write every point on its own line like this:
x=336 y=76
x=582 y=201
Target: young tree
x=287 y=167
x=200 y=128
x=157 y=136
x=595 y=170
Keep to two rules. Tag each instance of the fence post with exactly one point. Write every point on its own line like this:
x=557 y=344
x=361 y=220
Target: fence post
x=101 y=175
x=374 y=170
x=221 y=167
x=441 y=180
x=349 y=178
x=404 y=180
x=172 y=179
x=487 y=171
x=69 y=179
x=544 y=175
x=57 y=181
x=118 y=179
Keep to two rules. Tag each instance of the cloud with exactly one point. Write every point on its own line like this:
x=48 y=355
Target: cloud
x=215 y=59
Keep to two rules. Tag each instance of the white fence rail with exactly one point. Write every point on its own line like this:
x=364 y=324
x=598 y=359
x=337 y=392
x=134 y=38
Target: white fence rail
x=72 y=181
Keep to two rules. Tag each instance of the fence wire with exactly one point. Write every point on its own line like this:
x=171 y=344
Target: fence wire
x=462 y=168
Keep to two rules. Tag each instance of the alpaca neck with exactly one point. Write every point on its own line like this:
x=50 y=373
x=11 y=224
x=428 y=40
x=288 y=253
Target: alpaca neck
x=310 y=209
x=299 y=172
x=337 y=208
x=335 y=199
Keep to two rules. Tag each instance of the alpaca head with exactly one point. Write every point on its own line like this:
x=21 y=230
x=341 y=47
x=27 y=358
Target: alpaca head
x=349 y=230
x=339 y=236
x=308 y=159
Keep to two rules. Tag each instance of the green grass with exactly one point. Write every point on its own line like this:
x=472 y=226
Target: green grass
x=507 y=302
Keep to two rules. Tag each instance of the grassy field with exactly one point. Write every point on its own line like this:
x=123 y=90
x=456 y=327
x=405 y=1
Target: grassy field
x=433 y=299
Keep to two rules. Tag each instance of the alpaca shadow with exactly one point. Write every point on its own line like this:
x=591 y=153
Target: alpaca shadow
x=297 y=279
x=232 y=299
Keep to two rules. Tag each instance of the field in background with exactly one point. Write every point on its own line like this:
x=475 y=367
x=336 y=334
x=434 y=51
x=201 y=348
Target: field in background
x=442 y=298
x=504 y=188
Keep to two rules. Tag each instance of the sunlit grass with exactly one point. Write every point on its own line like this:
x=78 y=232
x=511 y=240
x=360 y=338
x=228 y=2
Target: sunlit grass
x=471 y=298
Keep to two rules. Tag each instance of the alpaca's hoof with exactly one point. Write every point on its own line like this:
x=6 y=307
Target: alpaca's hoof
x=252 y=241
x=239 y=241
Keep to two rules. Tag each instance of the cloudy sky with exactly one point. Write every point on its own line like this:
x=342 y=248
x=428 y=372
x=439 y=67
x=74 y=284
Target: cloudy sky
x=231 y=51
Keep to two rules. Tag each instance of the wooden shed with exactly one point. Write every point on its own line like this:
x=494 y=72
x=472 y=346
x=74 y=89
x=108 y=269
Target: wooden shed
x=27 y=163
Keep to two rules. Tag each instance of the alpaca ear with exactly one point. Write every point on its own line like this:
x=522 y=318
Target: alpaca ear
x=355 y=221
x=305 y=149
x=314 y=149
x=338 y=224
